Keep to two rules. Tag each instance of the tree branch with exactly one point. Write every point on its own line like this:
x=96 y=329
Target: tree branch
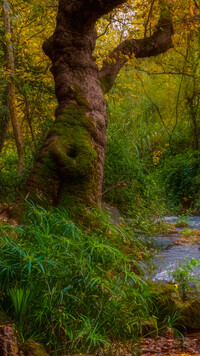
x=148 y=18
x=90 y=9
x=166 y=73
x=107 y=5
x=107 y=26
x=156 y=44
x=196 y=5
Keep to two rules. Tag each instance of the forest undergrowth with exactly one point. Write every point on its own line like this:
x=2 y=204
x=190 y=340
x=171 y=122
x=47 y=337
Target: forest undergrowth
x=71 y=287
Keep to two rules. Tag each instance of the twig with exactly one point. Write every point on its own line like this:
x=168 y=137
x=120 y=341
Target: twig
x=119 y=185
x=148 y=18
x=107 y=26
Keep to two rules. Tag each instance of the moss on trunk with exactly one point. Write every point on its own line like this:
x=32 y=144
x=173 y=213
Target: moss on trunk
x=69 y=159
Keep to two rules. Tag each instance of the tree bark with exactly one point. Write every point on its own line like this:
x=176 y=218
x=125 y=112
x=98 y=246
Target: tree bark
x=154 y=45
x=11 y=84
x=193 y=118
x=4 y=119
x=69 y=169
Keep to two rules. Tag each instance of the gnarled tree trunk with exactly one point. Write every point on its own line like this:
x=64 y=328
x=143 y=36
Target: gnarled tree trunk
x=69 y=169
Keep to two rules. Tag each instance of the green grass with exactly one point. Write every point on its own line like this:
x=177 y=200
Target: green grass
x=69 y=287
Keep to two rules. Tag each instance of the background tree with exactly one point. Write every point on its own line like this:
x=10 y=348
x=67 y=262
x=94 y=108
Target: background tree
x=10 y=90
x=33 y=90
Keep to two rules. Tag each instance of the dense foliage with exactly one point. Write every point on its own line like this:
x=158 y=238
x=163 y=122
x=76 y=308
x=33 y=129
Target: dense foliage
x=70 y=287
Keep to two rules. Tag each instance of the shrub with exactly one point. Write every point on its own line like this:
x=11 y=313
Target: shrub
x=180 y=178
x=10 y=178
x=183 y=276
x=127 y=182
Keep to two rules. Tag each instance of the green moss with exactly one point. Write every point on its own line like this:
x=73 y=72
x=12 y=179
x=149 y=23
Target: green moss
x=164 y=296
x=181 y=223
x=73 y=151
x=32 y=348
x=190 y=312
x=81 y=99
x=168 y=301
x=164 y=289
x=165 y=13
x=71 y=161
x=73 y=116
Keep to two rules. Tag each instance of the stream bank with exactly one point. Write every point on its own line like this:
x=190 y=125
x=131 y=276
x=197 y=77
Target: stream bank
x=173 y=250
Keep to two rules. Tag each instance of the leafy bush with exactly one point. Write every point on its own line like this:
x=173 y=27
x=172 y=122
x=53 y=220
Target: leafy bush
x=79 y=289
x=10 y=178
x=127 y=182
x=183 y=275
x=180 y=178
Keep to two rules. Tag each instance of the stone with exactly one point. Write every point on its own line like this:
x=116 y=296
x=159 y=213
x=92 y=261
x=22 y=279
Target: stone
x=181 y=223
x=8 y=341
x=168 y=301
x=190 y=314
x=32 y=348
x=114 y=215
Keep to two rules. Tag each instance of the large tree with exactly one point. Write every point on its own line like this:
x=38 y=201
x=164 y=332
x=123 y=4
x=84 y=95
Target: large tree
x=69 y=168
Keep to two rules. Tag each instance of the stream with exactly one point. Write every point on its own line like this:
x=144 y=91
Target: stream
x=169 y=255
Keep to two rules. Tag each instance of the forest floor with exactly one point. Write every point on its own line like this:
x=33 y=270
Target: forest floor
x=168 y=346
x=160 y=345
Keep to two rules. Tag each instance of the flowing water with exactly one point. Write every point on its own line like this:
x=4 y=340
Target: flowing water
x=171 y=255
